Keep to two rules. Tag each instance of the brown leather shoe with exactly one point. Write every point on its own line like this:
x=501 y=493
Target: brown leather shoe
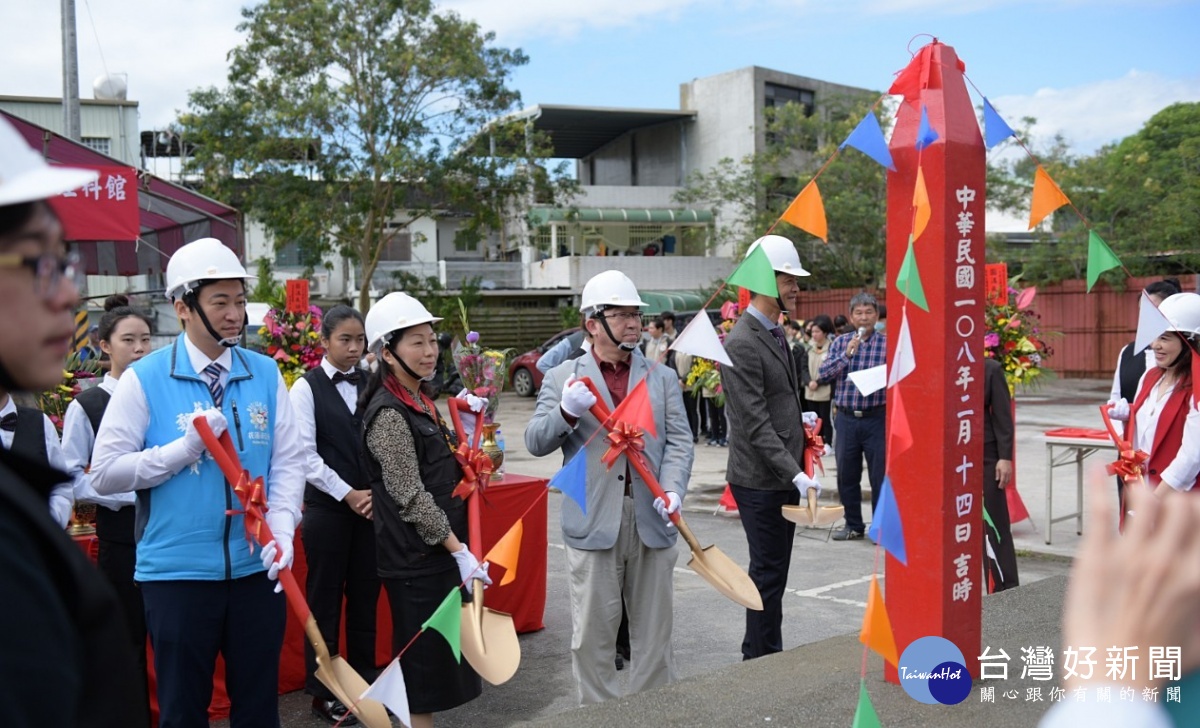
x=333 y=711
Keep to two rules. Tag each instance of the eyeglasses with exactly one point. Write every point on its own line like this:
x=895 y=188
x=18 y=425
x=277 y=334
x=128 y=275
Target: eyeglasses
x=624 y=316
x=48 y=270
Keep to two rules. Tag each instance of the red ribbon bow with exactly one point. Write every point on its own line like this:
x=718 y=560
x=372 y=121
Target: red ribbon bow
x=622 y=438
x=1129 y=461
x=252 y=495
x=814 y=450
x=477 y=470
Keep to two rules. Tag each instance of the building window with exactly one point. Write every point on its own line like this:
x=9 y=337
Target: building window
x=399 y=248
x=778 y=95
x=99 y=144
x=288 y=256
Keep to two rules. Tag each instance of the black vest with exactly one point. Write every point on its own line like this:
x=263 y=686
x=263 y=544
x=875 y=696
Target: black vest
x=29 y=439
x=337 y=439
x=114 y=526
x=399 y=548
x=1130 y=368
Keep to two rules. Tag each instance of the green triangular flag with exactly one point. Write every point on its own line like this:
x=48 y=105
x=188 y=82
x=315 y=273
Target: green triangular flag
x=987 y=518
x=755 y=273
x=1100 y=258
x=864 y=714
x=447 y=619
x=908 y=281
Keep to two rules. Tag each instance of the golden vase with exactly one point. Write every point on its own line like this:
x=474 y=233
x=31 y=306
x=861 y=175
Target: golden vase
x=492 y=449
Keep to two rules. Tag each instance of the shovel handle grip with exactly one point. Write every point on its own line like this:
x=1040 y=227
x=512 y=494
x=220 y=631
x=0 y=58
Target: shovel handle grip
x=456 y=405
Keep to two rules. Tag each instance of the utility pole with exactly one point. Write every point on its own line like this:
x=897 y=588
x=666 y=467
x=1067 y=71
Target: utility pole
x=70 y=55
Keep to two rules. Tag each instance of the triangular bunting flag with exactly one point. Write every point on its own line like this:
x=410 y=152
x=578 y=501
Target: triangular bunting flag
x=755 y=273
x=447 y=619
x=807 y=212
x=922 y=210
x=995 y=129
x=1047 y=197
x=1017 y=511
x=1151 y=324
x=904 y=362
x=390 y=690
x=995 y=560
x=987 y=518
x=867 y=138
x=864 y=714
x=699 y=338
x=899 y=432
x=507 y=551
x=572 y=479
x=1100 y=258
x=876 y=630
x=886 y=528
x=636 y=410
x=925 y=132
x=908 y=281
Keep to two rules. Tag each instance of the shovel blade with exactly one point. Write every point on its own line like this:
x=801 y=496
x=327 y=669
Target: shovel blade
x=726 y=576
x=489 y=641
x=347 y=685
x=799 y=515
x=828 y=515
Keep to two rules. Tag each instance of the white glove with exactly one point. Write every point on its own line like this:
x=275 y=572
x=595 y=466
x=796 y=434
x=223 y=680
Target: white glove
x=475 y=403
x=576 y=397
x=809 y=419
x=666 y=509
x=469 y=569
x=191 y=438
x=803 y=483
x=278 y=554
x=1118 y=409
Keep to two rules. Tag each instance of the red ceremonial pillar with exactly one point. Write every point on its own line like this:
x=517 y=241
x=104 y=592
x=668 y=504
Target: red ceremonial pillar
x=938 y=482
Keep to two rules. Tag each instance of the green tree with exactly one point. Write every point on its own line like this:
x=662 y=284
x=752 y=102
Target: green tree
x=343 y=121
x=750 y=194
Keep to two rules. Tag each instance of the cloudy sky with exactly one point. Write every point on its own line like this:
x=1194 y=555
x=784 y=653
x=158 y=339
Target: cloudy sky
x=1093 y=70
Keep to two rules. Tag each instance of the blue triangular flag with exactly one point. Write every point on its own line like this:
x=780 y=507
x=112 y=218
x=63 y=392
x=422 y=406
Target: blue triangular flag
x=925 y=133
x=572 y=479
x=867 y=138
x=885 y=527
x=995 y=129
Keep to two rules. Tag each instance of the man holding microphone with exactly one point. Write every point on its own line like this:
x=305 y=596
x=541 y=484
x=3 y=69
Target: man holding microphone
x=860 y=424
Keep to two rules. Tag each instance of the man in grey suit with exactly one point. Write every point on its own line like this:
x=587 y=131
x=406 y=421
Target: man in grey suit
x=766 y=441
x=624 y=544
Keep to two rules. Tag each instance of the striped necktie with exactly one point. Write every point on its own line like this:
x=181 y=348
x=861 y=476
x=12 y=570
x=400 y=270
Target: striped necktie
x=213 y=372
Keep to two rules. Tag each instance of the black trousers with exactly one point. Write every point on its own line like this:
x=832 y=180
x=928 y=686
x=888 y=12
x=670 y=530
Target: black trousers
x=191 y=622
x=995 y=501
x=340 y=548
x=116 y=561
x=824 y=411
x=856 y=437
x=693 y=416
x=769 y=536
x=716 y=419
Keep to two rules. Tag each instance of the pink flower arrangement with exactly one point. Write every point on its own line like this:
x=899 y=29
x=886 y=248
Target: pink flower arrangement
x=483 y=371
x=293 y=340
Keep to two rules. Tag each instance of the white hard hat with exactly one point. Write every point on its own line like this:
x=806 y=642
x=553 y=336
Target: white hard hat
x=390 y=314
x=781 y=253
x=206 y=259
x=1182 y=311
x=610 y=288
x=25 y=176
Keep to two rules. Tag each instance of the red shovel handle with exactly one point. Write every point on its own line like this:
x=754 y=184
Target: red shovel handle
x=456 y=405
x=600 y=412
x=474 y=524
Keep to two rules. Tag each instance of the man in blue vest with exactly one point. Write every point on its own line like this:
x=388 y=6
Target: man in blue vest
x=206 y=592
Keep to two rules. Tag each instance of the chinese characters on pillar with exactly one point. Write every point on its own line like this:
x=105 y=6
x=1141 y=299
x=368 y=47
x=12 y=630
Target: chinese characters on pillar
x=965 y=297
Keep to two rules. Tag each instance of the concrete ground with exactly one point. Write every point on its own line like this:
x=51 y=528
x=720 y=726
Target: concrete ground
x=814 y=682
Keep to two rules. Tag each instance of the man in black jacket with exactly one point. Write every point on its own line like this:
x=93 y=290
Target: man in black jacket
x=67 y=659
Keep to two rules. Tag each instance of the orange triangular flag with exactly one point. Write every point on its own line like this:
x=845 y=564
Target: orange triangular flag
x=635 y=410
x=807 y=212
x=877 y=628
x=923 y=211
x=899 y=433
x=506 y=552
x=1047 y=197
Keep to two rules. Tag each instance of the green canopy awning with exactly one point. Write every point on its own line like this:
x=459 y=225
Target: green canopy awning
x=546 y=215
x=659 y=301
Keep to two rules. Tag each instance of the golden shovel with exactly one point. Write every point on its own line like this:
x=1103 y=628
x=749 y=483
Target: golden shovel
x=333 y=672
x=813 y=516
x=708 y=561
x=488 y=638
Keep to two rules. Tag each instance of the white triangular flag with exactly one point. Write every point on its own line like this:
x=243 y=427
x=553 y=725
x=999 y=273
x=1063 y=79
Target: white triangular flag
x=389 y=689
x=870 y=380
x=1151 y=324
x=699 y=338
x=903 y=361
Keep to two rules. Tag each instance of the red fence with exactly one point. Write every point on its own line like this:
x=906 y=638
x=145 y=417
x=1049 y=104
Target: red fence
x=1092 y=327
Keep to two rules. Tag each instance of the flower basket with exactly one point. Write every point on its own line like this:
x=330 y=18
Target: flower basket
x=483 y=371
x=293 y=340
x=1015 y=339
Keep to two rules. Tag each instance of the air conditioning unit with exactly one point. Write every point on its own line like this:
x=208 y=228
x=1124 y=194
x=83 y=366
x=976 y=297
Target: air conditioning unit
x=320 y=284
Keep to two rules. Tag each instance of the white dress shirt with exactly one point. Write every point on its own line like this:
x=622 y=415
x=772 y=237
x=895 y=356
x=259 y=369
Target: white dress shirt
x=319 y=474
x=61 y=501
x=77 y=440
x=1181 y=473
x=120 y=462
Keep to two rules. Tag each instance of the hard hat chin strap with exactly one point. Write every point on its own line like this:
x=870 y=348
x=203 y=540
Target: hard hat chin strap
x=193 y=303
x=407 y=369
x=599 y=316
